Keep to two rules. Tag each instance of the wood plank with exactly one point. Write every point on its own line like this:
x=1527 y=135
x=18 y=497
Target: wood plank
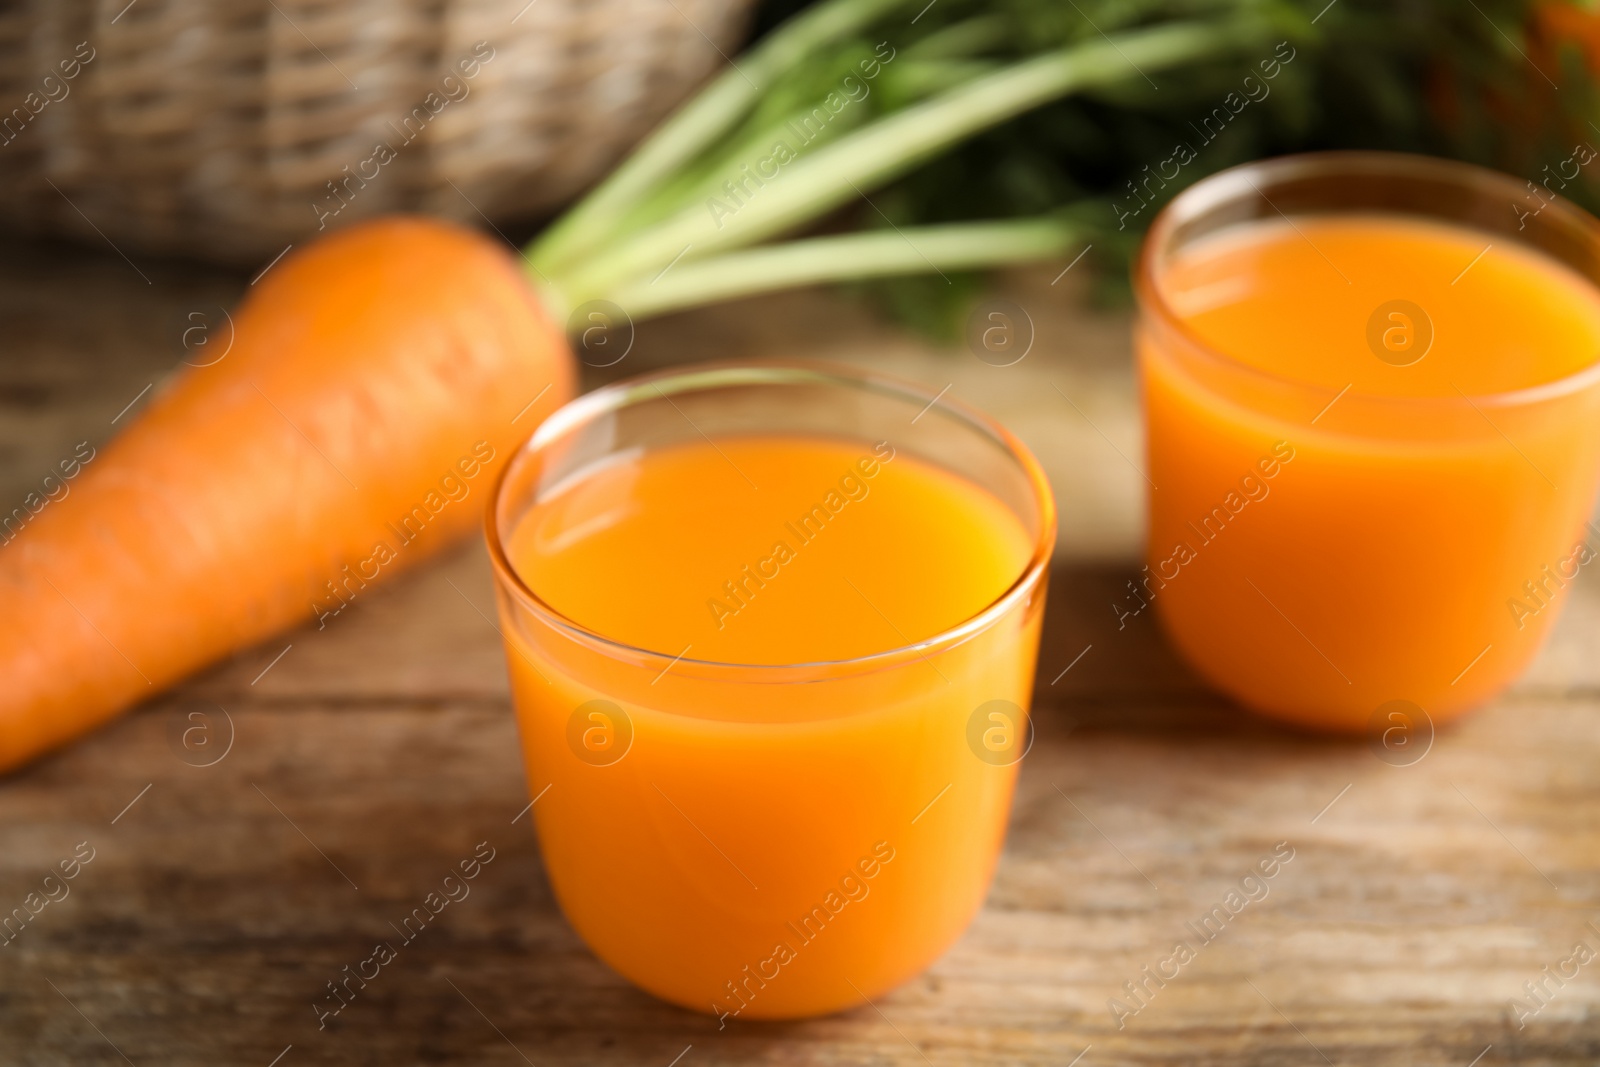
x=378 y=752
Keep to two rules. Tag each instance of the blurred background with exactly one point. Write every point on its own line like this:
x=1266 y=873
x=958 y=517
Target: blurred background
x=157 y=155
x=223 y=132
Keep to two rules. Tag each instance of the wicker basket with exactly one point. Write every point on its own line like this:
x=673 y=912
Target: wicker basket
x=227 y=129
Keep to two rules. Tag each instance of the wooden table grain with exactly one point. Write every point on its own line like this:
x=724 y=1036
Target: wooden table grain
x=356 y=765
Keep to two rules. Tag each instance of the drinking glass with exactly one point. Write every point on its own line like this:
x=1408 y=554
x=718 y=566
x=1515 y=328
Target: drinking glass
x=1322 y=555
x=783 y=840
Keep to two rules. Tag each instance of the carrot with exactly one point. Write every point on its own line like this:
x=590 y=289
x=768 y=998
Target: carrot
x=1558 y=22
x=376 y=382
x=380 y=377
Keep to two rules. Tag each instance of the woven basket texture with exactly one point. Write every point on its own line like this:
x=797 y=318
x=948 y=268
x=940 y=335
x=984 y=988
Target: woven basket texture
x=228 y=129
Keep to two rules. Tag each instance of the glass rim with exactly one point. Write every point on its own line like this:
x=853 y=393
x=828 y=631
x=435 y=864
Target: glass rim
x=710 y=375
x=1211 y=192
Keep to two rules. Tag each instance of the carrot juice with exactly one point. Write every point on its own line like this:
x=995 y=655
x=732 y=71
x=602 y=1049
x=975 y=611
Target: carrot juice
x=1373 y=432
x=747 y=667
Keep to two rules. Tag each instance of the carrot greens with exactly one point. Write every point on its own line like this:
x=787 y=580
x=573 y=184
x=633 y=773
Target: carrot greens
x=958 y=135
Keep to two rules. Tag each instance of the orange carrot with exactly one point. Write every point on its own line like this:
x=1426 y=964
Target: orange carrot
x=386 y=371
x=376 y=382
x=1559 y=22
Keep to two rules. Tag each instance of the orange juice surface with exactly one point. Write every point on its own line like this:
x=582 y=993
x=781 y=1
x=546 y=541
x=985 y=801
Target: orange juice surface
x=1295 y=301
x=723 y=832
x=768 y=551
x=1368 y=518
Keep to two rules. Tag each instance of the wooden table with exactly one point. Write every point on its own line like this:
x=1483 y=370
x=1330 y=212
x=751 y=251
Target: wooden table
x=368 y=758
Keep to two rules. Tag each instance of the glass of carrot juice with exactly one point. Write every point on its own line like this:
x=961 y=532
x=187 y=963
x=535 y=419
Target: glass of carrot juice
x=1371 y=386
x=771 y=633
